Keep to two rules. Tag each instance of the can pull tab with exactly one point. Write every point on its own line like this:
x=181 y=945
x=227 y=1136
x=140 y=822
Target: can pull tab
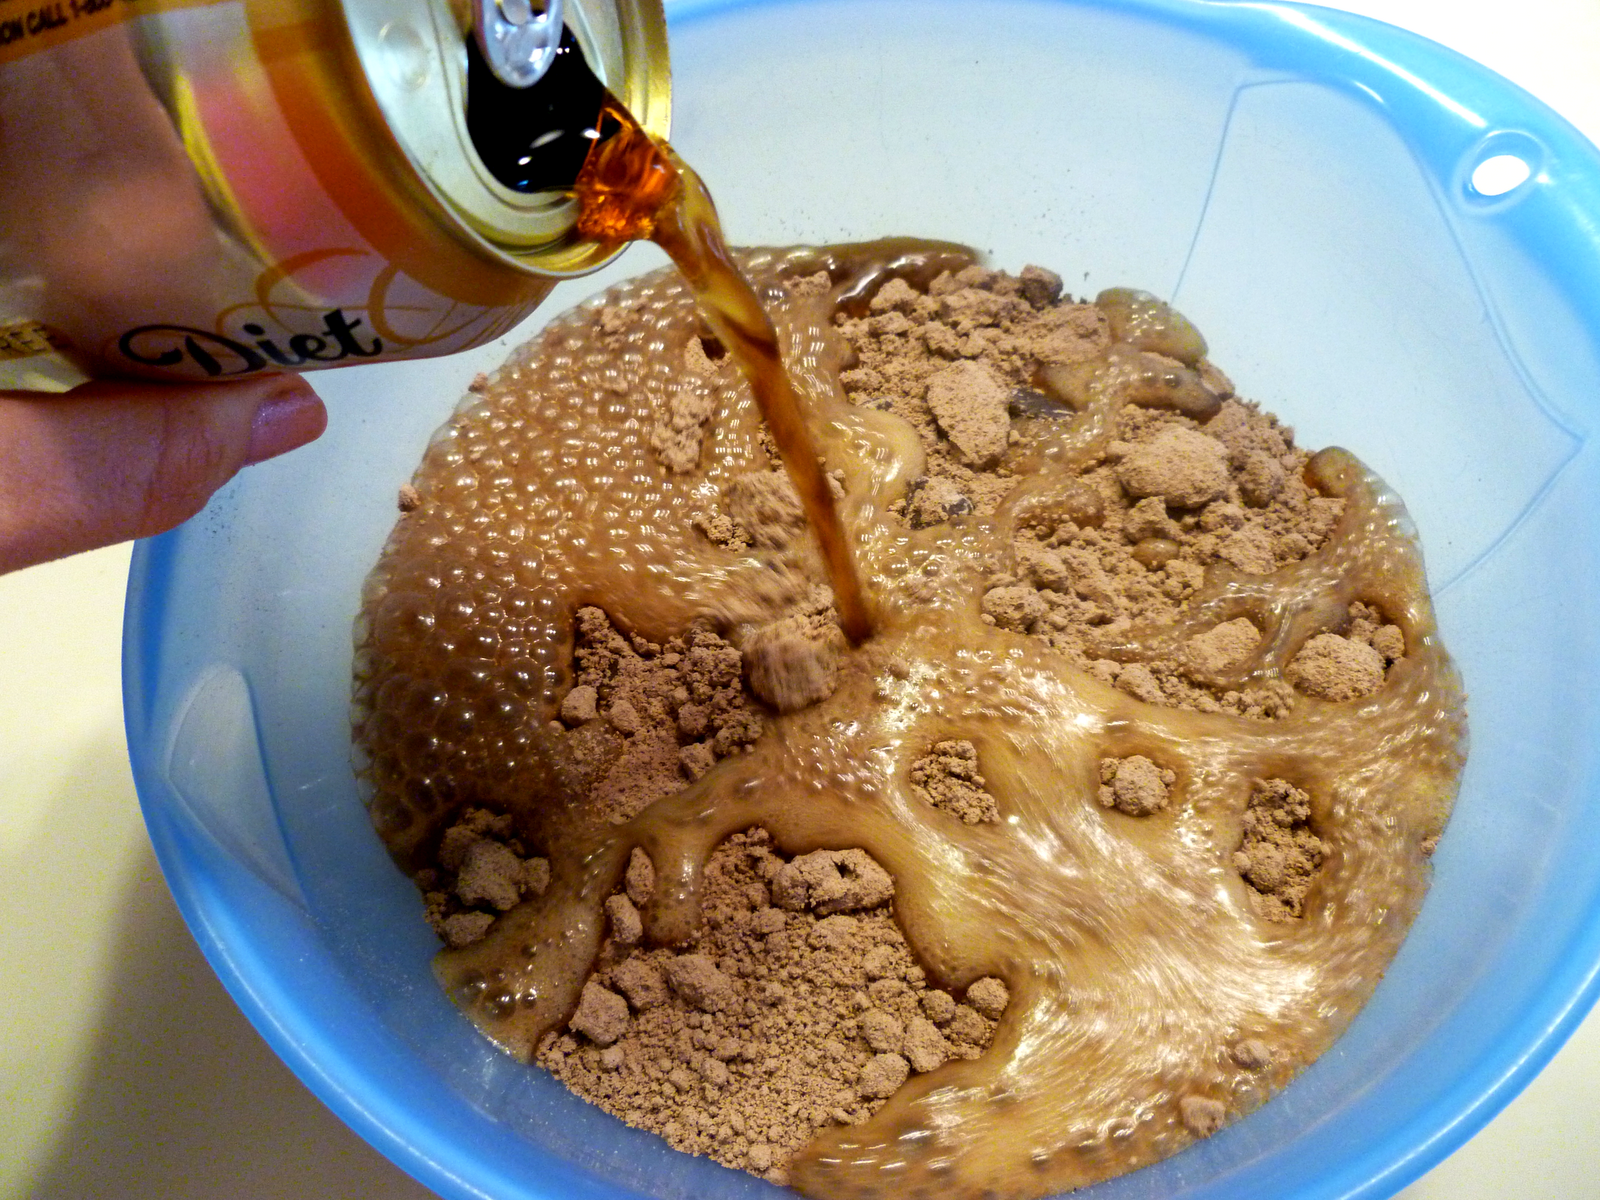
x=518 y=43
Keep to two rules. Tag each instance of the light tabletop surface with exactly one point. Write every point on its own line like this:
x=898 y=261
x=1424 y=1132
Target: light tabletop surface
x=126 y=1073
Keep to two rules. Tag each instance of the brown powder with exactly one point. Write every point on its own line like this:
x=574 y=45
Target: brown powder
x=1280 y=854
x=645 y=718
x=797 y=1006
x=1135 y=785
x=947 y=777
x=1185 y=477
x=480 y=870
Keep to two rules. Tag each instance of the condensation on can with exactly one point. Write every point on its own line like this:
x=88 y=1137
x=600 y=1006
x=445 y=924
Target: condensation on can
x=205 y=190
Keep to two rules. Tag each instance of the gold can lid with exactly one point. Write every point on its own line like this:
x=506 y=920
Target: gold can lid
x=414 y=55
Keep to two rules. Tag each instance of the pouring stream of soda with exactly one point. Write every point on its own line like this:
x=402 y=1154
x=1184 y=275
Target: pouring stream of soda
x=634 y=187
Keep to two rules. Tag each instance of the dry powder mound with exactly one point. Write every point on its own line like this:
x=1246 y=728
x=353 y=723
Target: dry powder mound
x=1187 y=481
x=798 y=1005
x=643 y=718
x=1280 y=854
x=947 y=777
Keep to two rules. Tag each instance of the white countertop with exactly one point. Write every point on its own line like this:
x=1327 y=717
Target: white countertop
x=126 y=1073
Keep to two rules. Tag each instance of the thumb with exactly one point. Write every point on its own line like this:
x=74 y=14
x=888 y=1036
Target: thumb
x=112 y=460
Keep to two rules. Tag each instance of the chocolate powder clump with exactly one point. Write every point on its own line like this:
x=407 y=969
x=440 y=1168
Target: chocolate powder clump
x=462 y=928
x=766 y=508
x=580 y=705
x=480 y=870
x=794 y=661
x=694 y=978
x=602 y=1015
x=1280 y=854
x=640 y=879
x=627 y=927
x=679 y=429
x=1135 y=785
x=947 y=777
x=679 y=426
x=1040 y=287
x=1203 y=1115
x=641 y=982
x=1251 y=1053
x=989 y=997
x=971 y=405
x=882 y=1076
x=1014 y=608
x=1223 y=647
x=832 y=881
x=924 y=1047
x=1332 y=667
x=932 y=502
x=774 y=1022
x=1185 y=468
x=491 y=874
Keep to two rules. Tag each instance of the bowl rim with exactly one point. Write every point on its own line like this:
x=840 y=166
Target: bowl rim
x=1404 y=74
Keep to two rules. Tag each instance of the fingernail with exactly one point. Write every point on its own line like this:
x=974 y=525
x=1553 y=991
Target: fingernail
x=286 y=420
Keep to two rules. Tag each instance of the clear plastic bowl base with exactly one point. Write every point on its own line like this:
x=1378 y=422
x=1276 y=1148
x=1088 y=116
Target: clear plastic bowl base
x=1300 y=184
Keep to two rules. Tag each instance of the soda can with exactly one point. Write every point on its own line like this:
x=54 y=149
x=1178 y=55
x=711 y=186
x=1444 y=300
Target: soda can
x=208 y=189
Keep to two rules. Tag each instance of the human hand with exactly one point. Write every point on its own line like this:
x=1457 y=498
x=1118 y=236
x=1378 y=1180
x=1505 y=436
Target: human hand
x=114 y=460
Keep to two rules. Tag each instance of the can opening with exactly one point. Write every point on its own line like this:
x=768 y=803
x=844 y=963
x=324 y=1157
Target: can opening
x=534 y=139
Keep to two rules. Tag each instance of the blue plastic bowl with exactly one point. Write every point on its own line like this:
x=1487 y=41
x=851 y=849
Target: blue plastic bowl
x=1299 y=182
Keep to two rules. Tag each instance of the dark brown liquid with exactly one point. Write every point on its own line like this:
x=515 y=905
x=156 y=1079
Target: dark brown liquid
x=634 y=187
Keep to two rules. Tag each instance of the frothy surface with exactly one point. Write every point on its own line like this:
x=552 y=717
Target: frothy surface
x=1149 y=994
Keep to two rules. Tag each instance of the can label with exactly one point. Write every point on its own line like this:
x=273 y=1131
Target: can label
x=36 y=358
x=24 y=339
x=29 y=26
x=387 y=316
